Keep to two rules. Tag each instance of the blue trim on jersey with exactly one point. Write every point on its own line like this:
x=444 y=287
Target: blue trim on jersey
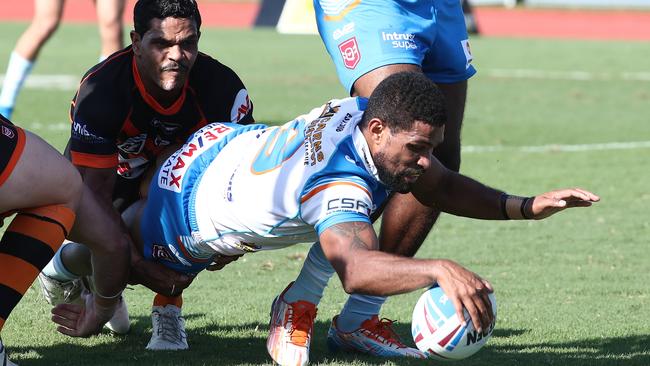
x=338 y=169
x=339 y=218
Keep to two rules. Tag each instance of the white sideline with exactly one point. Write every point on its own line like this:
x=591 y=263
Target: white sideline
x=71 y=82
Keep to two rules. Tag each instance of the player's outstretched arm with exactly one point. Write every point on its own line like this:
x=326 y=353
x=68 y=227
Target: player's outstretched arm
x=352 y=249
x=460 y=195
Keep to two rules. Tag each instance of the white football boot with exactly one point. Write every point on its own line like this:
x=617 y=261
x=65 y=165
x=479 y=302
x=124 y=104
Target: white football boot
x=290 y=331
x=168 y=331
x=58 y=292
x=119 y=323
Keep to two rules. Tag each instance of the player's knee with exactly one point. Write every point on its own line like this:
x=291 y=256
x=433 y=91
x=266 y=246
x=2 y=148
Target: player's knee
x=72 y=190
x=46 y=27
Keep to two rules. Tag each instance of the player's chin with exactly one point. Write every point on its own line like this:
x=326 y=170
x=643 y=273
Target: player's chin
x=171 y=84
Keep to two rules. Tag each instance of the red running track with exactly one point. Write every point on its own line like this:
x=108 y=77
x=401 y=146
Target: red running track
x=518 y=22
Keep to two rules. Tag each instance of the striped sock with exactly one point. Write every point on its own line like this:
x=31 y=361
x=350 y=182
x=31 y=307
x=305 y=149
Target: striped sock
x=27 y=246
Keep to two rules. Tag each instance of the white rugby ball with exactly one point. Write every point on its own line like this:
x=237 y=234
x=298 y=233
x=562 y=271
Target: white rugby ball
x=437 y=330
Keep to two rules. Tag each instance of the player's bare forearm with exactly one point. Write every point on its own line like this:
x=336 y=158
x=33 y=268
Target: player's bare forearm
x=463 y=196
x=352 y=249
x=100 y=228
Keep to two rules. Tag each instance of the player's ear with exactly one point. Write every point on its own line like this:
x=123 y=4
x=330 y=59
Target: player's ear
x=377 y=128
x=135 y=41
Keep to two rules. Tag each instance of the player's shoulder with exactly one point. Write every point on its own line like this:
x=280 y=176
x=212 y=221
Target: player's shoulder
x=111 y=72
x=105 y=90
x=106 y=83
x=207 y=70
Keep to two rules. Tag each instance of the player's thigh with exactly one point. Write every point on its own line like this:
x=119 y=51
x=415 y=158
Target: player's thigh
x=365 y=84
x=109 y=11
x=363 y=36
x=40 y=176
x=48 y=12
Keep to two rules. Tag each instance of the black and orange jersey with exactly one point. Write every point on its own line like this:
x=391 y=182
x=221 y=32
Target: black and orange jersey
x=116 y=123
x=12 y=143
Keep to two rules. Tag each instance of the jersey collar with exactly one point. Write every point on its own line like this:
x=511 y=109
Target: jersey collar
x=362 y=149
x=151 y=101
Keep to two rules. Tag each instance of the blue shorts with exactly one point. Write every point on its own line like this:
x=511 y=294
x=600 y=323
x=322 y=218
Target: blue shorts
x=168 y=228
x=362 y=35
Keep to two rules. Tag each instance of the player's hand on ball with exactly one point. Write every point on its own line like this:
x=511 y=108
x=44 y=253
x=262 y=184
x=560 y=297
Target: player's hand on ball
x=465 y=289
x=81 y=320
x=547 y=204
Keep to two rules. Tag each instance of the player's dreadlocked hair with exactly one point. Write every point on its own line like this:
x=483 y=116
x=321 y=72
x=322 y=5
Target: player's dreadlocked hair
x=404 y=97
x=145 y=10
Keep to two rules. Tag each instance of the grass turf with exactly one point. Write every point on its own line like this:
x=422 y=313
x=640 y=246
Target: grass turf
x=571 y=289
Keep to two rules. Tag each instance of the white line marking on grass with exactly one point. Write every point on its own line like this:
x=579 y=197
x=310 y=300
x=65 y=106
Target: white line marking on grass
x=71 y=82
x=50 y=82
x=559 y=148
x=575 y=75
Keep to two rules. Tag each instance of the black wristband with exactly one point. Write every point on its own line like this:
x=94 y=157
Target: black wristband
x=504 y=212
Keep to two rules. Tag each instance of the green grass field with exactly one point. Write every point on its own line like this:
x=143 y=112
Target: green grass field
x=571 y=290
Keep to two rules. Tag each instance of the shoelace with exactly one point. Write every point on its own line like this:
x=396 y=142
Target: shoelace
x=302 y=321
x=384 y=328
x=169 y=327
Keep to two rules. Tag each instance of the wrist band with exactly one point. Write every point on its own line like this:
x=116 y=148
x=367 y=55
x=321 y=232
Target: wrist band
x=107 y=297
x=514 y=207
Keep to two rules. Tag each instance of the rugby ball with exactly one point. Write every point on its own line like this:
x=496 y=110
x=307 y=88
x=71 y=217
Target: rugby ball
x=438 y=332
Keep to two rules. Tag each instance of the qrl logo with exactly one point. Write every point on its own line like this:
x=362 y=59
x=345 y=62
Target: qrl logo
x=350 y=53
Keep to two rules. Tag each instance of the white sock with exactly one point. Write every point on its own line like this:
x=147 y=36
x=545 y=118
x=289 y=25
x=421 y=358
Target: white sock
x=56 y=269
x=17 y=71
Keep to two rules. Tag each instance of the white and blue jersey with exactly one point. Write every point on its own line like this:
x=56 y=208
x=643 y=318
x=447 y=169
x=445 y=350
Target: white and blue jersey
x=233 y=189
x=362 y=35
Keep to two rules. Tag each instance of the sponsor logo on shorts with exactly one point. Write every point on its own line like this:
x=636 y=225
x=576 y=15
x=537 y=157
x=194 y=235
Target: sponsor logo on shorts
x=468 y=52
x=350 y=53
x=160 y=252
x=173 y=170
x=340 y=32
x=393 y=40
x=8 y=132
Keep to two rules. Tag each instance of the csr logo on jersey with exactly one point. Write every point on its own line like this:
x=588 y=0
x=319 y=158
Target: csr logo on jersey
x=392 y=40
x=348 y=204
x=350 y=53
x=174 y=169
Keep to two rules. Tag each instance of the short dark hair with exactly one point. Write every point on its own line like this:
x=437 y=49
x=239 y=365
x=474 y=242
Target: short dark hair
x=404 y=97
x=146 y=10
